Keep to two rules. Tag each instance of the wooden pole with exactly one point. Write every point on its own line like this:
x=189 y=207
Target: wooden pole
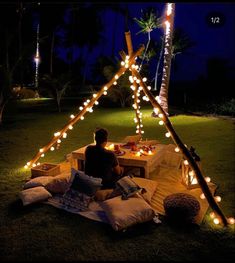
x=185 y=152
x=85 y=109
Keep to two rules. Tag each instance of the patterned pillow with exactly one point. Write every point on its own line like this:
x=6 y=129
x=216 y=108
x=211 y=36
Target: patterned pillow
x=128 y=187
x=59 y=184
x=33 y=195
x=125 y=213
x=84 y=183
x=38 y=181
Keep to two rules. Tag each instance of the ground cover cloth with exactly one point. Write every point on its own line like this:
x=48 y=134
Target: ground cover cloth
x=168 y=177
x=169 y=182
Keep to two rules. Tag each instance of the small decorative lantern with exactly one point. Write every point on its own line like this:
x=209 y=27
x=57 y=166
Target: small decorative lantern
x=188 y=177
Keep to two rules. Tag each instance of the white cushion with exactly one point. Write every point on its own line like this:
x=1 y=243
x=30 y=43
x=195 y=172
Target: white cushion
x=38 y=181
x=33 y=195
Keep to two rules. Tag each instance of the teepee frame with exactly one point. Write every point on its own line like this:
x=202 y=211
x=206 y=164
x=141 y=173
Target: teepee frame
x=139 y=85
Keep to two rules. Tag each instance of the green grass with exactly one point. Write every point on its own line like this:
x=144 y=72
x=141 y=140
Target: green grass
x=41 y=232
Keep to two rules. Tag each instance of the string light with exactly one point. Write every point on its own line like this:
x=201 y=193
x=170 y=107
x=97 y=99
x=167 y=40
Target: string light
x=82 y=118
x=168 y=134
x=70 y=127
x=177 y=149
x=41 y=150
x=64 y=135
x=202 y=196
x=80 y=108
x=186 y=162
x=161 y=122
x=212 y=215
x=72 y=116
x=216 y=221
x=231 y=220
x=52 y=148
x=218 y=198
x=207 y=179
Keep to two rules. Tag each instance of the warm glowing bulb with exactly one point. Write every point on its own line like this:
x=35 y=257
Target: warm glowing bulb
x=138 y=154
x=90 y=110
x=85 y=103
x=122 y=63
x=168 y=134
x=72 y=116
x=208 y=179
x=96 y=102
x=64 y=135
x=105 y=88
x=216 y=221
x=38 y=163
x=144 y=79
x=231 y=220
x=161 y=122
x=34 y=164
x=191 y=173
x=115 y=83
x=82 y=118
x=212 y=215
x=160 y=115
x=116 y=76
x=177 y=149
x=202 y=196
x=218 y=198
x=52 y=148
x=28 y=163
x=80 y=108
x=70 y=127
x=59 y=141
x=149 y=88
x=26 y=166
x=105 y=93
x=94 y=95
x=41 y=150
x=142 y=132
x=43 y=155
x=186 y=162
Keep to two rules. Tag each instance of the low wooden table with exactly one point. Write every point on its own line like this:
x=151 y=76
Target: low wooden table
x=146 y=163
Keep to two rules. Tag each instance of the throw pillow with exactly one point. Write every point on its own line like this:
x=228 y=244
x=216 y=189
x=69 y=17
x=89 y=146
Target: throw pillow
x=149 y=185
x=33 y=195
x=38 y=181
x=59 y=184
x=125 y=213
x=128 y=187
x=84 y=183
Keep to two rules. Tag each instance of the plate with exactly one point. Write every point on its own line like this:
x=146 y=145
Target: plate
x=120 y=153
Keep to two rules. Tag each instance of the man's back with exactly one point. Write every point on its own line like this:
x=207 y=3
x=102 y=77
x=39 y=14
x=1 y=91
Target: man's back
x=99 y=162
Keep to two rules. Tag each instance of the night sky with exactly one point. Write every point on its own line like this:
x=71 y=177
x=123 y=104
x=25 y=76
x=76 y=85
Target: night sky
x=211 y=40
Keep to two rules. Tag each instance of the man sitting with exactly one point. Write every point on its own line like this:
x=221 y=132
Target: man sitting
x=102 y=163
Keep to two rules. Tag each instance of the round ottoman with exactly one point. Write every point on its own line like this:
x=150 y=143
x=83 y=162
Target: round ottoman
x=181 y=208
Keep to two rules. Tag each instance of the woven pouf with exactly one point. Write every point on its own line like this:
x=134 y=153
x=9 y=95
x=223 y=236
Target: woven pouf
x=181 y=207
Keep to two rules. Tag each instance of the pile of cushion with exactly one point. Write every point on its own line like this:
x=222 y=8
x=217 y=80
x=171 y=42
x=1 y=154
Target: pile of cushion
x=77 y=187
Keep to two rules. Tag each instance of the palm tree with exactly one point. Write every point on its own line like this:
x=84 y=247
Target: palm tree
x=148 y=23
x=163 y=95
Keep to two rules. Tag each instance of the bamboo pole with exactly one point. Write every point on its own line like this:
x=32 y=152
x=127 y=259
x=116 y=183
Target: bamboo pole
x=200 y=178
x=89 y=105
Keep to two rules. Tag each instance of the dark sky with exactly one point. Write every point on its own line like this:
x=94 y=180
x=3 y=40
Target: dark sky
x=211 y=41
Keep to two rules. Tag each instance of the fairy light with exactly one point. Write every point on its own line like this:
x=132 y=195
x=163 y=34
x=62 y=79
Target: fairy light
x=122 y=63
x=82 y=118
x=105 y=93
x=96 y=102
x=218 y=198
x=202 y=196
x=38 y=163
x=212 y=215
x=191 y=173
x=52 y=148
x=149 y=87
x=41 y=150
x=80 y=108
x=56 y=134
x=115 y=83
x=70 y=127
x=168 y=134
x=231 y=220
x=161 y=122
x=207 y=179
x=34 y=165
x=105 y=88
x=26 y=166
x=177 y=149
x=85 y=103
x=216 y=221
x=186 y=162
x=116 y=77
x=94 y=95
x=59 y=141
x=72 y=116
x=160 y=115
x=169 y=9
x=43 y=155
x=64 y=135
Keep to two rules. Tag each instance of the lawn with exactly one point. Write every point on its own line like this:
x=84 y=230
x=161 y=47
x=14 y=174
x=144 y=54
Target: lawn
x=41 y=232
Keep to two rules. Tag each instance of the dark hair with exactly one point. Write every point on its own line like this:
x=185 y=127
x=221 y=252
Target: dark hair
x=101 y=135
